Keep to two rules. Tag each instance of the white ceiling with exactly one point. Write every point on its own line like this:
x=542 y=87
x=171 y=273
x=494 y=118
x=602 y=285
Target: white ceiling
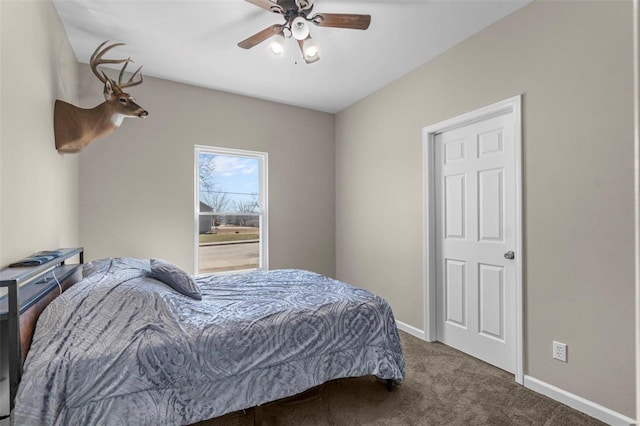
x=195 y=42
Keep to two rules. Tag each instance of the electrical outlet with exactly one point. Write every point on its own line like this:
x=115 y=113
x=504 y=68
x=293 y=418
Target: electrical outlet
x=560 y=351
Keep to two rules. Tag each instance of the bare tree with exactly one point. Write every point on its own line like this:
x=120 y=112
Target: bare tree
x=210 y=192
x=247 y=206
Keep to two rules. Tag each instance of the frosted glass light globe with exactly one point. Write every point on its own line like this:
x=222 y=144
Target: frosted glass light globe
x=299 y=28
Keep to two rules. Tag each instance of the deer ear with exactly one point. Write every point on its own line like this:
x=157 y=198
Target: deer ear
x=108 y=89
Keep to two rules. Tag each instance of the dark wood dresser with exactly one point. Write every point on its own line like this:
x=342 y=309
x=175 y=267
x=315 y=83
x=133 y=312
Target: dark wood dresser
x=29 y=290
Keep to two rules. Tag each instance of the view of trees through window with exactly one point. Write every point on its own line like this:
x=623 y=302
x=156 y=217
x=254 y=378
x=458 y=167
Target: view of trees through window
x=229 y=211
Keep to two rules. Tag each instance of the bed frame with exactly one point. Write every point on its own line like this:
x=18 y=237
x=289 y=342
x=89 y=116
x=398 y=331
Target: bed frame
x=30 y=290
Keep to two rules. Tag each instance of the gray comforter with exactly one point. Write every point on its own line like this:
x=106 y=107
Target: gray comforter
x=121 y=348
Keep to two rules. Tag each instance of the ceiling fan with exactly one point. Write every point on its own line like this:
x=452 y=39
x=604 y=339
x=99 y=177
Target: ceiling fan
x=297 y=15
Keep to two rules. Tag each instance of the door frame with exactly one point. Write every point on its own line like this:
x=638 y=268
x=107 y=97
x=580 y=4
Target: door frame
x=512 y=105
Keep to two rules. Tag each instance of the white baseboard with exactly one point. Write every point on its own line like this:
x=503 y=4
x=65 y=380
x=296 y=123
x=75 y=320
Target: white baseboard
x=597 y=411
x=411 y=330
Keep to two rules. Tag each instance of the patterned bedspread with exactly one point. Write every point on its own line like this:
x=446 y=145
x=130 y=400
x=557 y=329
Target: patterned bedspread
x=121 y=348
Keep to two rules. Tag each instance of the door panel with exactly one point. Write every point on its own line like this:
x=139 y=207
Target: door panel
x=456 y=289
x=491 y=306
x=490 y=205
x=475 y=225
x=454 y=206
x=490 y=143
x=454 y=151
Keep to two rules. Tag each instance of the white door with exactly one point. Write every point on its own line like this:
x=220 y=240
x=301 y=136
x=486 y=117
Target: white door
x=475 y=202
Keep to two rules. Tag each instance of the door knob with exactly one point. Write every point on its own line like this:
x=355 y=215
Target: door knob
x=509 y=255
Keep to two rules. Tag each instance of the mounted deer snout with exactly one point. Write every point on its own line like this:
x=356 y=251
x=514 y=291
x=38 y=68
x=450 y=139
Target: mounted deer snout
x=76 y=127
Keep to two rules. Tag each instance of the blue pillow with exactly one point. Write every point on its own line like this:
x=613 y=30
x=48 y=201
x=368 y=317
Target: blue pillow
x=175 y=278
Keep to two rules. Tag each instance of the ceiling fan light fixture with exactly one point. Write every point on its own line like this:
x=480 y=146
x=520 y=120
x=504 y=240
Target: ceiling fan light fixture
x=298 y=20
x=277 y=44
x=299 y=28
x=310 y=49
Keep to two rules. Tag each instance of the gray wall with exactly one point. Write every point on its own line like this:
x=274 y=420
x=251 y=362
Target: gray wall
x=137 y=184
x=572 y=61
x=38 y=187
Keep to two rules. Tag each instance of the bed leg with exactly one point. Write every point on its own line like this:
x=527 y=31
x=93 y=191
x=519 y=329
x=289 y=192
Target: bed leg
x=389 y=385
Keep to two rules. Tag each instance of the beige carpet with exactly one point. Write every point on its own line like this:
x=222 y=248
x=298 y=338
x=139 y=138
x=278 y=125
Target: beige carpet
x=442 y=387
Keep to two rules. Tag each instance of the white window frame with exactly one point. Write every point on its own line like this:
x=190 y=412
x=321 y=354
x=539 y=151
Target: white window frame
x=263 y=198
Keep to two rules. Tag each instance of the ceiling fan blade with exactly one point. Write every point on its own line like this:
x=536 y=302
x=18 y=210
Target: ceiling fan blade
x=342 y=20
x=267 y=5
x=261 y=36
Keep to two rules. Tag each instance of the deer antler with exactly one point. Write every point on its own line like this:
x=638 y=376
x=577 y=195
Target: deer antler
x=96 y=60
x=130 y=82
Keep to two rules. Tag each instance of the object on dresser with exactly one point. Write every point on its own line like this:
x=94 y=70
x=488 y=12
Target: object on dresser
x=37 y=258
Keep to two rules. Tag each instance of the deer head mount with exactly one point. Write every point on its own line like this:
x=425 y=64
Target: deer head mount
x=76 y=128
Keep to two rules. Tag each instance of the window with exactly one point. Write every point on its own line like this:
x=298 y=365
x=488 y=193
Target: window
x=231 y=210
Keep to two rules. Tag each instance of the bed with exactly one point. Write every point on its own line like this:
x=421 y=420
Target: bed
x=122 y=347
